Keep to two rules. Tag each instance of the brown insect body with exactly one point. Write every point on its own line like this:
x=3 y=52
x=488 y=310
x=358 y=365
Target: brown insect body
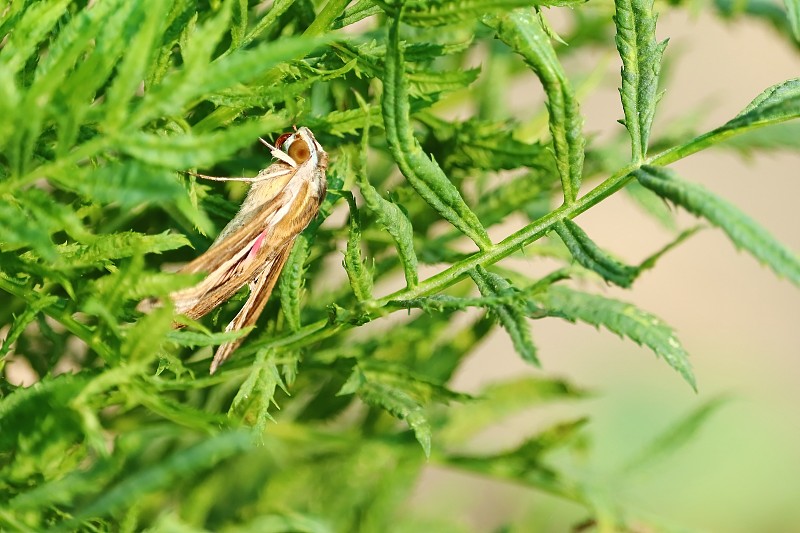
x=252 y=248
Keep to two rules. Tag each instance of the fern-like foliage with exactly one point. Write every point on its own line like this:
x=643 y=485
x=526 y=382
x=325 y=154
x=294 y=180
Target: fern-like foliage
x=343 y=393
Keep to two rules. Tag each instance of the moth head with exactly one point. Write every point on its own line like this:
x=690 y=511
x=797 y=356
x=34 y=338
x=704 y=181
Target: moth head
x=297 y=148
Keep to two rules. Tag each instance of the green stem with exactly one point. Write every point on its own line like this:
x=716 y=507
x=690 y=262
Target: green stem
x=320 y=330
x=326 y=16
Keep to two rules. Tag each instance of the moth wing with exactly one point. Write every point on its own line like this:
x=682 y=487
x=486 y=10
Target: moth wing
x=240 y=257
x=260 y=292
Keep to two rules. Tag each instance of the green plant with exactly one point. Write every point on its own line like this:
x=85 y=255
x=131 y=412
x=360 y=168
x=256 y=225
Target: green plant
x=105 y=108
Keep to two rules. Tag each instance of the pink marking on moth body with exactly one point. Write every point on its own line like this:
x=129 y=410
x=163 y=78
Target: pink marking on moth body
x=256 y=245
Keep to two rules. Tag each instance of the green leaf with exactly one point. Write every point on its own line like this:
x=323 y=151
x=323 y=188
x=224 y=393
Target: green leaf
x=427 y=13
x=677 y=435
x=511 y=317
x=651 y=204
x=136 y=59
x=526 y=463
x=278 y=8
x=30 y=30
x=422 y=172
x=622 y=318
x=127 y=183
x=191 y=151
x=31 y=313
x=19 y=230
x=164 y=474
x=744 y=232
x=498 y=401
x=401 y=395
x=105 y=248
x=778 y=103
x=144 y=340
x=358 y=11
x=257 y=393
x=389 y=215
x=523 y=32
x=357 y=271
x=486 y=146
x=70 y=44
x=591 y=256
x=179 y=89
x=641 y=65
x=292 y=281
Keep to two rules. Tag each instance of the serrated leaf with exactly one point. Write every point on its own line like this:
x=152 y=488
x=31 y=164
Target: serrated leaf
x=522 y=31
x=292 y=281
x=131 y=70
x=69 y=45
x=144 y=340
x=199 y=78
x=399 y=395
x=358 y=11
x=512 y=317
x=743 y=231
x=278 y=8
x=641 y=65
x=486 y=145
x=422 y=172
x=389 y=215
x=105 y=248
x=348 y=122
x=775 y=105
x=778 y=103
x=257 y=393
x=622 y=318
x=126 y=183
x=427 y=84
x=78 y=94
x=591 y=256
x=357 y=271
x=190 y=150
x=426 y=13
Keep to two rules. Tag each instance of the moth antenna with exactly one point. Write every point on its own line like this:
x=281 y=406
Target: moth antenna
x=243 y=179
x=268 y=145
x=279 y=154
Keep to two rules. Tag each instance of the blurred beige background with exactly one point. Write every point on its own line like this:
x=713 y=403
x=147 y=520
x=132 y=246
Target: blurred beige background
x=740 y=324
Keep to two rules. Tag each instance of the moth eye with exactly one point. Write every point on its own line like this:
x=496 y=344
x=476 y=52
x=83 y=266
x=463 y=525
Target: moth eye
x=282 y=139
x=298 y=150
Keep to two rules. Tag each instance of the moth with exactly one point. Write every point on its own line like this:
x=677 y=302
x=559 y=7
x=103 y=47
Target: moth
x=252 y=248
